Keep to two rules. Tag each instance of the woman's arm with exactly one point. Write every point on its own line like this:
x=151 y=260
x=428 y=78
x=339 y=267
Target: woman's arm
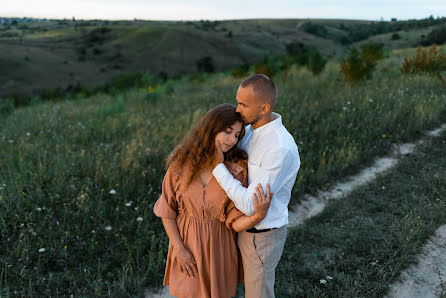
x=183 y=255
x=261 y=206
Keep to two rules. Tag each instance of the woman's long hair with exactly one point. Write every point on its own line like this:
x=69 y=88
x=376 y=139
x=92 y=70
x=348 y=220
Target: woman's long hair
x=198 y=147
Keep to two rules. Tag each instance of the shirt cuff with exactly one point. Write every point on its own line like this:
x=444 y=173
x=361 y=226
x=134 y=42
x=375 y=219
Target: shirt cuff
x=220 y=171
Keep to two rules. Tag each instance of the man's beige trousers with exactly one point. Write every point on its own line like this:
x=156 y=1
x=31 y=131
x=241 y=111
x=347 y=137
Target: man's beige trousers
x=261 y=253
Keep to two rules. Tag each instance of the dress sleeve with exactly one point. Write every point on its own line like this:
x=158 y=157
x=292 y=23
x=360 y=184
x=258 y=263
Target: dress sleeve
x=166 y=206
x=240 y=172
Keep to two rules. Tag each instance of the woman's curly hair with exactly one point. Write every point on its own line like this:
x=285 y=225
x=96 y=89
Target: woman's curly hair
x=198 y=147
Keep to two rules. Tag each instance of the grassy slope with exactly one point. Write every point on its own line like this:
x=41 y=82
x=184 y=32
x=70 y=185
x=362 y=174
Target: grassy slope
x=50 y=59
x=67 y=156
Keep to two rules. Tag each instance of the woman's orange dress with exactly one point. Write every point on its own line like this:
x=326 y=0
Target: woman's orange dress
x=201 y=212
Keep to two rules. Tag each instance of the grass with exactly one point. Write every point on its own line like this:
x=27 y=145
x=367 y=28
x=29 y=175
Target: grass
x=363 y=241
x=60 y=161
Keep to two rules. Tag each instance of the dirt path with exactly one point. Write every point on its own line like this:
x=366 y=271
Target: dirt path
x=414 y=282
x=426 y=278
x=313 y=205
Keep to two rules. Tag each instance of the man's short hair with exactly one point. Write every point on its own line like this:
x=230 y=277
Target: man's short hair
x=263 y=86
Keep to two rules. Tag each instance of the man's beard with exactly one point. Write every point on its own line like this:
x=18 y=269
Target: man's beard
x=252 y=122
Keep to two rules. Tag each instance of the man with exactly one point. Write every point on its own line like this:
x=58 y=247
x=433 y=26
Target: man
x=273 y=158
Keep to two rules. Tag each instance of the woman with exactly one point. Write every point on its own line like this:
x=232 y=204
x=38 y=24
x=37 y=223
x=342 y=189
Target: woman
x=199 y=218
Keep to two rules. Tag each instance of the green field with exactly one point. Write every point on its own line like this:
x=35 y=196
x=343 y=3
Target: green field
x=60 y=161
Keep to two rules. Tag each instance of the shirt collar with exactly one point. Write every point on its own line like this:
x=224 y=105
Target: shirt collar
x=276 y=123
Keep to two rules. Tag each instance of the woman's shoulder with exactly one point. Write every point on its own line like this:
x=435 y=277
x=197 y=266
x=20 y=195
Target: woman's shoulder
x=175 y=171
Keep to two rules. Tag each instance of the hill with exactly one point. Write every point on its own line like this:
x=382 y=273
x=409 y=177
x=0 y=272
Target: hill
x=42 y=54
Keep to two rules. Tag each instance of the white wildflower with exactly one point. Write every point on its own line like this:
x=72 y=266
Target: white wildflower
x=323 y=281
x=108 y=228
x=128 y=204
x=139 y=218
x=329 y=277
x=41 y=249
x=112 y=192
x=39 y=209
x=28 y=134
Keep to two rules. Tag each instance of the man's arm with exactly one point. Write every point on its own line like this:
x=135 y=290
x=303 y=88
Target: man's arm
x=274 y=169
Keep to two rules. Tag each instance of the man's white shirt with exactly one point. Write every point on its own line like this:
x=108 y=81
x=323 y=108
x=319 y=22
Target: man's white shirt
x=273 y=158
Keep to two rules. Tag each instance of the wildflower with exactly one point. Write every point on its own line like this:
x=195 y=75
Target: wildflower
x=108 y=228
x=112 y=192
x=139 y=219
x=383 y=135
x=28 y=134
x=41 y=249
x=323 y=281
x=128 y=204
x=383 y=187
x=136 y=208
x=39 y=209
x=329 y=277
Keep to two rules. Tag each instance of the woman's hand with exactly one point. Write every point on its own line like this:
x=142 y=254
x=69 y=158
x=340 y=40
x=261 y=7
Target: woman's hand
x=186 y=261
x=218 y=154
x=261 y=202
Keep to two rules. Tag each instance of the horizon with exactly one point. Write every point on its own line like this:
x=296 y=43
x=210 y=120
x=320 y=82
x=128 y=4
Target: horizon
x=175 y=10
x=219 y=20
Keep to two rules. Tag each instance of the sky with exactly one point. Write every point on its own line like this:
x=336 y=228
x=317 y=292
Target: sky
x=223 y=9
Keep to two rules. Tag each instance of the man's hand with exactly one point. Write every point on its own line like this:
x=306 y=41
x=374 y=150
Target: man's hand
x=186 y=261
x=218 y=155
x=261 y=203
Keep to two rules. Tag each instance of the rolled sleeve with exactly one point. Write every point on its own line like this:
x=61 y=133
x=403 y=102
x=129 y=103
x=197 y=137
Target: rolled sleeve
x=273 y=171
x=166 y=206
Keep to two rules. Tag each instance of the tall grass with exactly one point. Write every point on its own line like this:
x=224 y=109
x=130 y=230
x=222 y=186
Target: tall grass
x=75 y=176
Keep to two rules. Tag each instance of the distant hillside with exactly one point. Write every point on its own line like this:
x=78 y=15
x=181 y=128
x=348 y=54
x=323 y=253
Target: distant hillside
x=38 y=55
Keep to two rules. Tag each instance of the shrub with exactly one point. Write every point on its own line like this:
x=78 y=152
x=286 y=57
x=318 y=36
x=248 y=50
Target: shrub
x=431 y=61
x=270 y=65
x=298 y=51
x=206 y=64
x=316 y=62
x=286 y=63
x=436 y=36
x=395 y=36
x=360 y=65
x=315 y=29
x=6 y=106
x=240 y=71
